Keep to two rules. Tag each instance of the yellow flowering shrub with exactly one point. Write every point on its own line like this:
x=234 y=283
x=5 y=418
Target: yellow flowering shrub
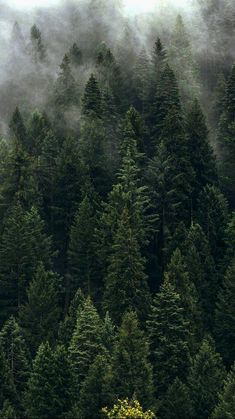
x=124 y=409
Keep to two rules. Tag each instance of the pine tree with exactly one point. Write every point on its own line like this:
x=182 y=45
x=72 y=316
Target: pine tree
x=200 y=151
x=67 y=326
x=226 y=139
x=213 y=217
x=205 y=379
x=92 y=98
x=39 y=316
x=66 y=92
x=141 y=82
x=224 y=316
x=131 y=371
x=176 y=403
x=38 y=49
x=49 y=385
x=202 y=271
x=38 y=128
x=18 y=128
x=86 y=343
x=7 y=388
x=75 y=55
x=169 y=337
x=177 y=274
x=82 y=259
x=159 y=56
x=13 y=344
x=225 y=408
x=8 y=411
x=23 y=246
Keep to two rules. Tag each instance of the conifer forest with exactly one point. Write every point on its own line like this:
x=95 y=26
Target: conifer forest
x=117 y=210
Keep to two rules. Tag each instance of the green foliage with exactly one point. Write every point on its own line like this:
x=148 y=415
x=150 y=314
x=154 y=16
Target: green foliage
x=65 y=92
x=49 y=385
x=92 y=98
x=168 y=330
x=205 y=379
x=38 y=49
x=225 y=315
x=226 y=405
x=131 y=371
x=176 y=403
x=39 y=316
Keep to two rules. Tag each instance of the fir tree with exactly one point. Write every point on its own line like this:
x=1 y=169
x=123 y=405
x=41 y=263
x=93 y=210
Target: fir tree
x=176 y=403
x=200 y=151
x=38 y=49
x=66 y=92
x=67 y=326
x=169 y=337
x=23 y=246
x=39 y=316
x=86 y=342
x=75 y=55
x=131 y=371
x=82 y=260
x=225 y=408
x=7 y=388
x=18 y=128
x=13 y=344
x=92 y=98
x=224 y=316
x=205 y=379
x=48 y=389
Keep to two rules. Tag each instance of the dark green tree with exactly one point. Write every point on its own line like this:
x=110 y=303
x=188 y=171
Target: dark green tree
x=131 y=370
x=39 y=316
x=224 y=316
x=38 y=49
x=92 y=98
x=169 y=337
x=7 y=388
x=75 y=55
x=67 y=326
x=86 y=343
x=205 y=379
x=65 y=92
x=18 y=129
x=225 y=408
x=49 y=385
x=176 y=403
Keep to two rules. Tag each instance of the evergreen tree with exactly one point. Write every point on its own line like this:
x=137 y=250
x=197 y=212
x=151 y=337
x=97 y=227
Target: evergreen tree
x=224 y=316
x=225 y=408
x=75 y=55
x=8 y=411
x=176 y=403
x=13 y=344
x=67 y=326
x=200 y=151
x=205 y=379
x=23 y=246
x=86 y=343
x=92 y=98
x=48 y=389
x=38 y=128
x=66 y=92
x=202 y=272
x=226 y=139
x=169 y=336
x=131 y=371
x=18 y=128
x=39 y=316
x=7 y=388
x=38 y=49
x=82 y=264
x=213 y=217
x=141 y=82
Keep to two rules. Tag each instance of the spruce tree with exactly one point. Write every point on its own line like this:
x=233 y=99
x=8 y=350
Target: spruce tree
x=23 y=246
x=18 y=128
x=75 y=55
x=169 y=336
x=39 y=316
x=49 y=385
x=65 y=92
x=86 y=342
x=92 y=98
x=176 y=403
x=13 y=344
x=82 y=259
x=213 y=217
x=224 y=316
x=67 y=325
x=7 y=387
x=131 y=370
x=200 y=151
x=205 y=379
x=38 y=49
x=225 y=408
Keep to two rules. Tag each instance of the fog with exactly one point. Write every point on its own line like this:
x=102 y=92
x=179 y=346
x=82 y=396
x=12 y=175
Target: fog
x=125 y=26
